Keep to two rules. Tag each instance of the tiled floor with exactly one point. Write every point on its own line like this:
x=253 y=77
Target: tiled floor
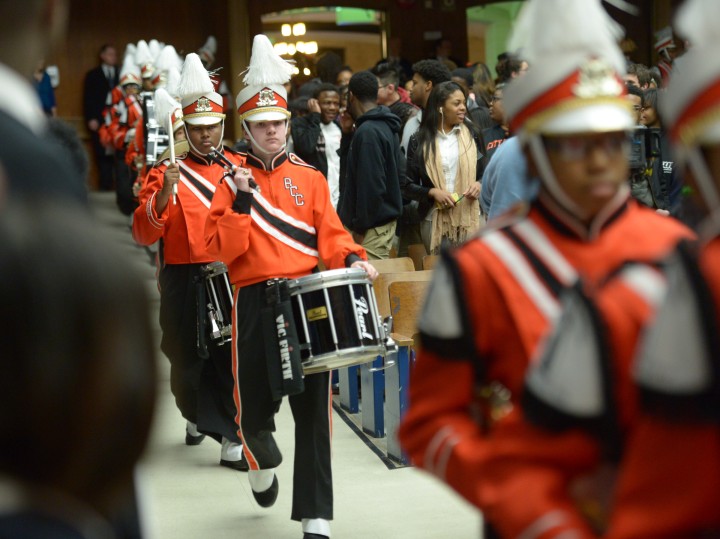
x=187 y=495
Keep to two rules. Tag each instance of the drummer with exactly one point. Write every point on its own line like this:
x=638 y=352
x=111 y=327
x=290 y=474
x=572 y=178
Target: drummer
x=200 y=379
x=281 y=229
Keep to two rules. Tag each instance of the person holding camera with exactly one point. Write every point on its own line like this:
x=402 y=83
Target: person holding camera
x=654 y=181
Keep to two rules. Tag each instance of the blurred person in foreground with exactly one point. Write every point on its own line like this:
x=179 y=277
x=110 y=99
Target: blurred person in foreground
x=493 y=299
x=651 y=334
x=78 y=394
x=33 y=166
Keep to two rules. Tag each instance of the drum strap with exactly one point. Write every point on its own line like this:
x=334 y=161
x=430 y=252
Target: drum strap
x=282 y=345
x=201 y=306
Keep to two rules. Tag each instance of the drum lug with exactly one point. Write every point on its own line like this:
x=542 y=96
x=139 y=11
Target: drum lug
x=390 y=346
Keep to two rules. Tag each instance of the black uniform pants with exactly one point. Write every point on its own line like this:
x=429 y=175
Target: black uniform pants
x=105 y=164
x=203 y=388
x=311 y=409
x=123 y=185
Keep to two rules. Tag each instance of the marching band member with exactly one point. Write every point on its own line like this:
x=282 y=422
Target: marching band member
x=279 y=229
x=493 y=299
x=119 y=130
x=166 y=65
x=207 y=54
x=203 y=388
x=670 y=478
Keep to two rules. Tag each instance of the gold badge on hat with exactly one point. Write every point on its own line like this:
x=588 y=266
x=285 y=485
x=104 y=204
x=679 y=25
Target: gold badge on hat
x=203 y=105
x=597 y=79
x=266 y=98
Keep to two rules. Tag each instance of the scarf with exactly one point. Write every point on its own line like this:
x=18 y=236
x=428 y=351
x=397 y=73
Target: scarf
x=459 y=223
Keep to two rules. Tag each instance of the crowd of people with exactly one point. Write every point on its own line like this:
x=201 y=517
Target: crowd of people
x=567 y=372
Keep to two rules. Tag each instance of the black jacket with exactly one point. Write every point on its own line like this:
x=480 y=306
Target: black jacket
x=308 y=141
x=95 y=93
x=416 y=183
x=374 y=165
x=492 y=138
x=404 y=111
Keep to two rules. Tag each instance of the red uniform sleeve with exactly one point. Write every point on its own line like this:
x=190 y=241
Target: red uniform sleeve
x=148 y=225
x=335 y=243
x=504 y=467
x=227 y=231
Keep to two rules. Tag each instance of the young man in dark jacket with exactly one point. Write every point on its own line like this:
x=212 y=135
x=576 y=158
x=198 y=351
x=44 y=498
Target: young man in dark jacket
x=317 y=135
x=371 y=202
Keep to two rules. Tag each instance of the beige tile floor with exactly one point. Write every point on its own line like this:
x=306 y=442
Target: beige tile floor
x=187 y=495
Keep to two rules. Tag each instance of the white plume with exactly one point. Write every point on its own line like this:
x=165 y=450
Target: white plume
x=129 y=67
x=556 y=28
x=699 y=21
x=143 y=55
x=164 y=105
x=130 y=50
x=155 y=48
x=210 y=45
x=173 y=80
x=168 y=58
x=194 y=79
x=266 y=66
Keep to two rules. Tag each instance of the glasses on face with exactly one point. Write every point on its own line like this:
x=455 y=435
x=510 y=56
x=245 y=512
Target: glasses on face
x=637 y=108
x=576 y=148
x=495 y=98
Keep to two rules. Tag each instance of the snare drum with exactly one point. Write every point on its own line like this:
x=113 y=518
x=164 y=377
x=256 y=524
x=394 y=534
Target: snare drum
x=337 y=319
x=219 y=298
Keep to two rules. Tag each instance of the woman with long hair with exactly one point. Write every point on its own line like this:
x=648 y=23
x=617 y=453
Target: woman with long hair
x=444 y=167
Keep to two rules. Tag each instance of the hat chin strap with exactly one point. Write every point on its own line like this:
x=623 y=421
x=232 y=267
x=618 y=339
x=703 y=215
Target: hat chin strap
x=192 y=146
x=537 y=149
x=710 y=226
x=257 y=145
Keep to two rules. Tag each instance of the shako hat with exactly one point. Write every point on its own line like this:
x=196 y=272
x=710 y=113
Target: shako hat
x=130 y=72
x=664 y=39
x=144 y=59
x=691 y=106
x=264 y=97
x=168 y=58
x=201 y=104
x=574 y=83
x=208 y=51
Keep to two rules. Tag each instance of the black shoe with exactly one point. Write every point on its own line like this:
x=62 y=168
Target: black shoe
x=239 y=465
x=193 y=440
x=267 y=498
x=308 y=535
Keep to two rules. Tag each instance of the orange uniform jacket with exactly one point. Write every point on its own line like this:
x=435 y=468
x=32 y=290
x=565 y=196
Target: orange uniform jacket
x=280 y=231
x=114 y=97
x=581 y=380
x=670 y=477
x=181 y=225
x=125 y=115
x=490 y=304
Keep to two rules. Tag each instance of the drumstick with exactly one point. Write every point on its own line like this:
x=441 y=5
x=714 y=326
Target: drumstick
x=171 y=142
x=220 y=159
